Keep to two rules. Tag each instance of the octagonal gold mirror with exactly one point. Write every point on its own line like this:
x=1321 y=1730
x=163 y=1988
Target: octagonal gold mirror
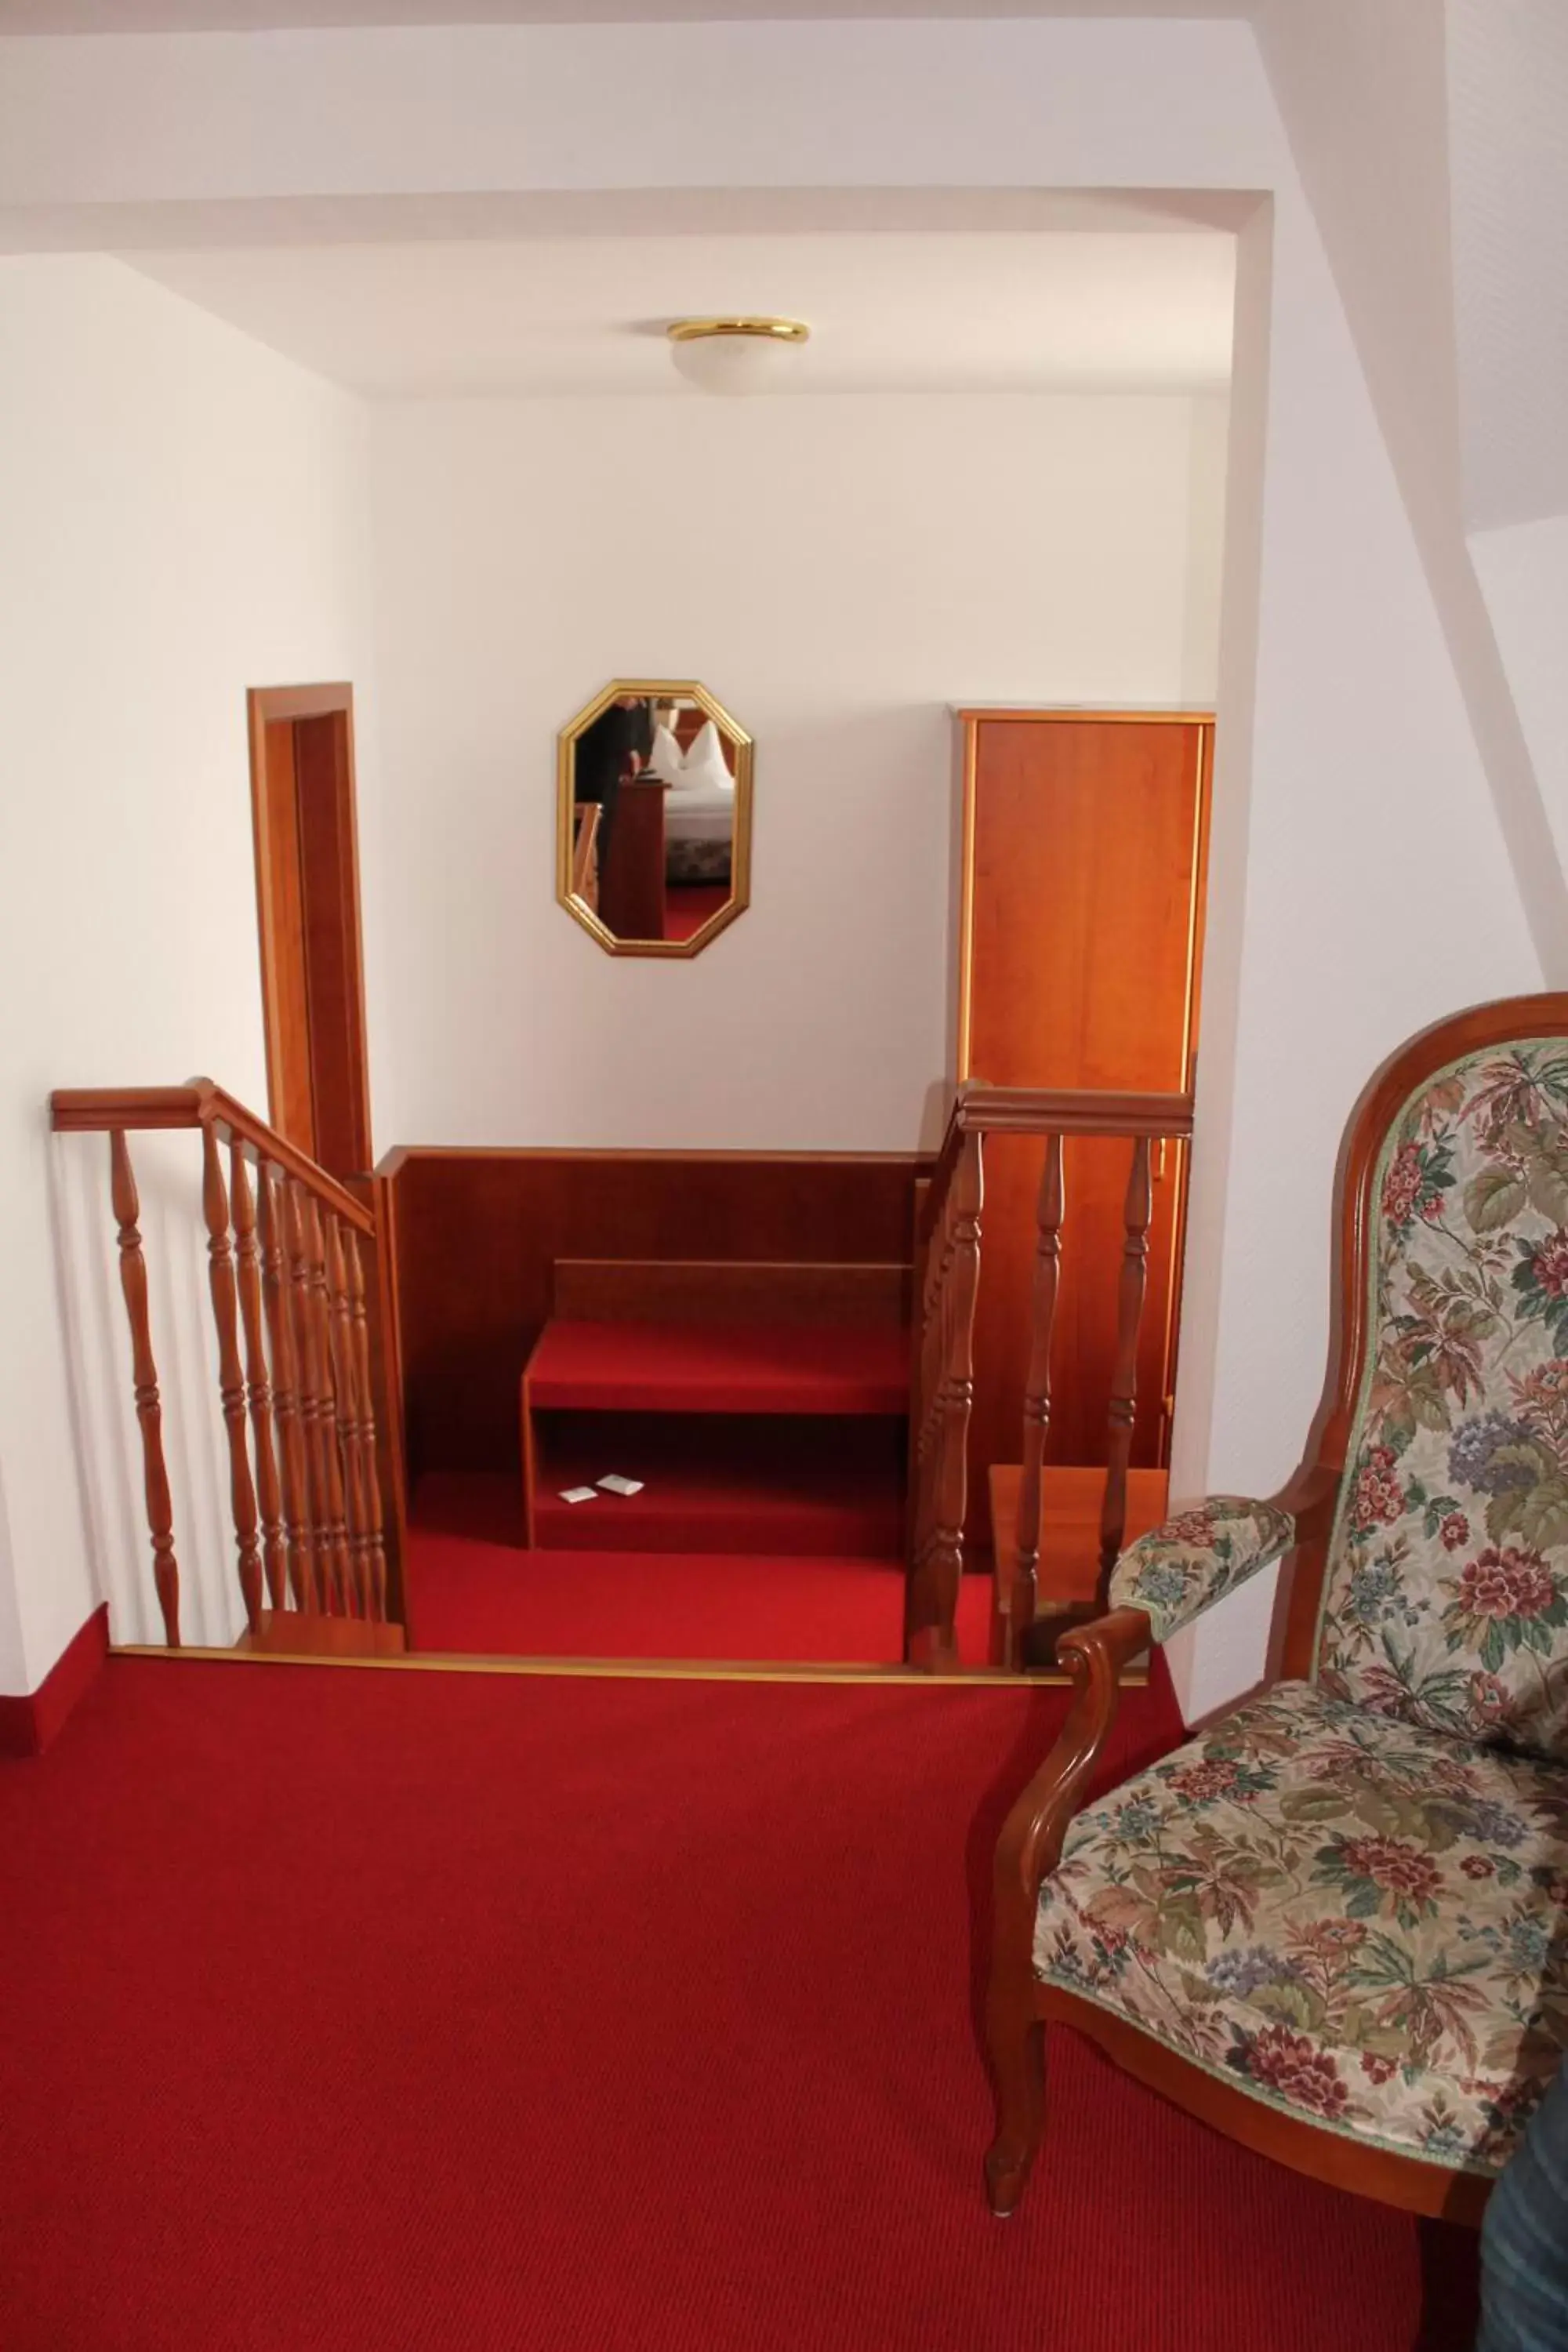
x=654 y=817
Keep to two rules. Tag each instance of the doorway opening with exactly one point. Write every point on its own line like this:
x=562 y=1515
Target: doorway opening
x=307 y=900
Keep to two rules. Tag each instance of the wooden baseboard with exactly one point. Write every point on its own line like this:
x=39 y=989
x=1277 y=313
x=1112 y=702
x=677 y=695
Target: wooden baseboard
x=31 y=1720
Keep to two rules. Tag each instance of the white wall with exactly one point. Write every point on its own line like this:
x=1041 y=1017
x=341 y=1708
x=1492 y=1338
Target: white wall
x=183 y=518
x=838 y=571
x=1360 y=888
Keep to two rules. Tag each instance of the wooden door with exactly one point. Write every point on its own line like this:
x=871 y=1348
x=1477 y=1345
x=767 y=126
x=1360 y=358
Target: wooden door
x=1084 y=839
x=307 y=886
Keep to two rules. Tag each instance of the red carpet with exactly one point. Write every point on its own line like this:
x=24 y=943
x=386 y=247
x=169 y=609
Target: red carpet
x=349 y=2011
x=723 y=1482
x=474 y=1589
x=688 y=905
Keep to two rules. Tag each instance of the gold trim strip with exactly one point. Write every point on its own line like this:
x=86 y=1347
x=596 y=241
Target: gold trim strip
x=1062 y=714
x=671 y=1670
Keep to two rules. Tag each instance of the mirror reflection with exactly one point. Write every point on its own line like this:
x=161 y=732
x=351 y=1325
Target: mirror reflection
x=655 y=817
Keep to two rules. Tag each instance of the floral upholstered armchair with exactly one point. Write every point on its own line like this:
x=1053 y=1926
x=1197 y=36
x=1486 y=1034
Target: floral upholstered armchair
x=1336 y=1925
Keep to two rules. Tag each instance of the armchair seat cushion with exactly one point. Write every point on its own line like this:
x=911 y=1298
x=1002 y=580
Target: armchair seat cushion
x=1344 y=1915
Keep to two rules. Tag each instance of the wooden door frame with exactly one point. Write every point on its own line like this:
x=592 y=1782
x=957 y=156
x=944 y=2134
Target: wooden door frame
x=265 y=705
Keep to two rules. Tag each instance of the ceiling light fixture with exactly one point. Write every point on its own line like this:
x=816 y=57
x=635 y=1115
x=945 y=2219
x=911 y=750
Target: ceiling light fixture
x=734 y=355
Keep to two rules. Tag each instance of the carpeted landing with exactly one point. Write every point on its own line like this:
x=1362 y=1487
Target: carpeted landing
x=379 y=2008
x=474 y=1589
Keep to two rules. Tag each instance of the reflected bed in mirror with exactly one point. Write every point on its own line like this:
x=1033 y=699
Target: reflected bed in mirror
x=654 y=817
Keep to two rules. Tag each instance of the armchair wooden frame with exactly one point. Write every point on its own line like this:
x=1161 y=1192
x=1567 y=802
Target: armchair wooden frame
x=1018 y=2005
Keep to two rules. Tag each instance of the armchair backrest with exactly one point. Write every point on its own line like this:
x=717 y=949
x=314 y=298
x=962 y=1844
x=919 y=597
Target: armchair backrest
x=1445 y=1597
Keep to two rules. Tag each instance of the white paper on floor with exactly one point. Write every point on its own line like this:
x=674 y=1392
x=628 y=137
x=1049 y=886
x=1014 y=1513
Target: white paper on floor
x=617 y=1484
x=578 y=1495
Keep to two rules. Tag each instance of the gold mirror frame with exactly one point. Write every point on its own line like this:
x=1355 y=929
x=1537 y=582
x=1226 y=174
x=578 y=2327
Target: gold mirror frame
x=740 y=897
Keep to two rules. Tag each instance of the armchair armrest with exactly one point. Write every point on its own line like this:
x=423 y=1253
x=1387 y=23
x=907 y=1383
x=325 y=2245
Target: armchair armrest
x=1180 y=1569
x=1031 y=1839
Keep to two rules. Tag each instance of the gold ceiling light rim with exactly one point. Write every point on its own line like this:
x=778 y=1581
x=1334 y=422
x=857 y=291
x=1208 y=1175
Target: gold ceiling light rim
x=773 y=331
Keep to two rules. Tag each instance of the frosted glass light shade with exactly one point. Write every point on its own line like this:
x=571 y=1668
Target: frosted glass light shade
x=736 y=356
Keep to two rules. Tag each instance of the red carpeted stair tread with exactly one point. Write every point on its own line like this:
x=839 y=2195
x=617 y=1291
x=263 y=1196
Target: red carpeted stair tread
x=765 y=1483
x=720 y=1368
x=475 y=1589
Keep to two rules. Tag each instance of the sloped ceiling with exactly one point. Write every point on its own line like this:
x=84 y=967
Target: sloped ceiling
x=1508 y=97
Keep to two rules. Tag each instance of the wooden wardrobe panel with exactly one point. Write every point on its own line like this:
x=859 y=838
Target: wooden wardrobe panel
x=1084 y=852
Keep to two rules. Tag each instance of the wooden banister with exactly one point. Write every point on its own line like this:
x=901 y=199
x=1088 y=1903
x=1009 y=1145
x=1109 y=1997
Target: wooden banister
x=76 y=1110
x=285 y=1273
x=942 y=1383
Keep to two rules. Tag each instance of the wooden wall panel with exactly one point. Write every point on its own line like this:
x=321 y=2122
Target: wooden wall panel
x=476 y=1235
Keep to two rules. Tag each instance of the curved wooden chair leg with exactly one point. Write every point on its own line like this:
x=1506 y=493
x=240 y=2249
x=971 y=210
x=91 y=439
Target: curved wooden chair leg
x=1015 y=2038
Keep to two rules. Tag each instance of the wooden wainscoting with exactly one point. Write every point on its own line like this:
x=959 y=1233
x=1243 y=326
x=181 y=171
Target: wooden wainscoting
x=474 y=1237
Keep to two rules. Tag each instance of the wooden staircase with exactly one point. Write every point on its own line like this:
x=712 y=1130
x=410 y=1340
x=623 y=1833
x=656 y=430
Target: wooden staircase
x=1056 y=1529
x=294 y=1274
x=761 y=1408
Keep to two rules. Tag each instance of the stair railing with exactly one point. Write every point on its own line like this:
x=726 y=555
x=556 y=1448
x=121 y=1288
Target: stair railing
x=949 y=1243
x=293 y=1275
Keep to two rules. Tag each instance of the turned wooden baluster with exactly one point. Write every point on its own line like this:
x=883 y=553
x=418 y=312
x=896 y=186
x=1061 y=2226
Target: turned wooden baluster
x=298 y=1544
x=144 y=1376
x=345 y=1384
x=369 y=1449
x=310 y=1375
x=230 y=1374
x=257 y=1386
x=1138 y=1211
x=325 y=1425
x=1037 y=1395
x=935 y=1583
x=933 y=1329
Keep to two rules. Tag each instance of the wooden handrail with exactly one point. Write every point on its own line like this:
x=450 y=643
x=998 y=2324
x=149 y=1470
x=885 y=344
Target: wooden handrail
x=980 y=1109
x=104 y=1111
x=1039 y=1110
x=287 y=1279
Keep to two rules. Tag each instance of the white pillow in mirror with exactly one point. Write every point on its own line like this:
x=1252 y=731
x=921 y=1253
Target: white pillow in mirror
x=665 y=761
x=705 y=765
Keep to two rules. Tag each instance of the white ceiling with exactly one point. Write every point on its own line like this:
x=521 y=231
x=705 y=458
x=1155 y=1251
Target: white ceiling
x=889 y=311
x=252 y=16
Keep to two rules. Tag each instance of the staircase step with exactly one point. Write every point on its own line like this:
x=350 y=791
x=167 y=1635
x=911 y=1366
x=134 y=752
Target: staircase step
x=816 y=1486
x=720 y=1368
x=302 y=1633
